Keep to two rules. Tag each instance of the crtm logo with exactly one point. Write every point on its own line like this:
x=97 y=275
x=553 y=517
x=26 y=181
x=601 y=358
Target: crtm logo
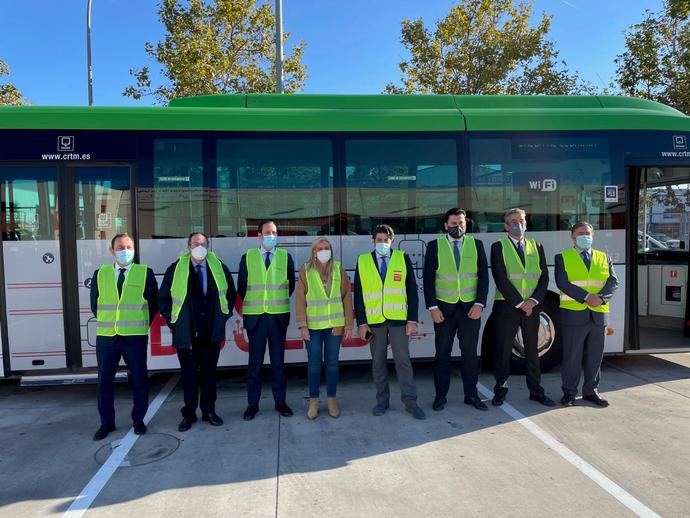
x=680 y=142
x=65 y=143
x=545 y=185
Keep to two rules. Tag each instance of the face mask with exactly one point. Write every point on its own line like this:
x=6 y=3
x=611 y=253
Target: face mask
x=583 y=242
x=383 y=248
x=456 y=232
x=199 y=253
x=517 y=230
x=323 y=255
x=270 y=242
x=124 y=257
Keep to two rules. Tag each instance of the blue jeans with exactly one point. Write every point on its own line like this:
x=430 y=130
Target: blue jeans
x=322 y=345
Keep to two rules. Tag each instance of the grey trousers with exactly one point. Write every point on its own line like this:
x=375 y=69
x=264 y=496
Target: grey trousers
x=400 y=344
x=583 y=348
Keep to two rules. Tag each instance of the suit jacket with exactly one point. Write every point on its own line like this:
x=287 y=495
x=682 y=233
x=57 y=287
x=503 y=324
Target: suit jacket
x=150 y=294
x=431 y=265
x=410 y=289
x=250 y=321
x=183 y=329
x=578 y=318
x=511 y=294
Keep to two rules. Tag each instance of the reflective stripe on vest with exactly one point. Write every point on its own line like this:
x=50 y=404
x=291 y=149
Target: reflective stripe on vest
x=453 y=285
x=324 y=311
x=178 y=291
x=267 y=290
x=126 y=314
x=383 y=300
x=591 y=280
x=524 y=278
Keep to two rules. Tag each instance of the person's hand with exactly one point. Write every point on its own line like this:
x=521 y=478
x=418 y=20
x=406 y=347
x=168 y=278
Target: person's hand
x=305 y=333
x=347 y=333
x=363 y=330
x=593 y=300
x=436 y=316
x=475 y=312
x=528 y=306
x=410 y=328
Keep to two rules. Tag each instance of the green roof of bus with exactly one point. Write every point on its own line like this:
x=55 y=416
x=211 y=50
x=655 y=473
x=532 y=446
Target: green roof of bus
x=398 y=113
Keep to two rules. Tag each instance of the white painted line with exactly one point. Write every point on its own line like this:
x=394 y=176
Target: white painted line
x=100 y=479
x=593 y=473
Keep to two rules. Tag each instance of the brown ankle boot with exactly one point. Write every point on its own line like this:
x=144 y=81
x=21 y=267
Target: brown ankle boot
x=333 y=409
x=313 y=410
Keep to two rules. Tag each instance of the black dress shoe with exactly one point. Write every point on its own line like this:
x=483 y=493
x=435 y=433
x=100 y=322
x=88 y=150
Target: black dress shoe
x=568 y=400
x=250 y=413
x=212 y=419
x=498 y=399
x=103 y=432
x=476 y=403
x=439 y=404
x=186 y=423
x=283 y=409
x=543 y=399
x=139 y=428
x=594 y=398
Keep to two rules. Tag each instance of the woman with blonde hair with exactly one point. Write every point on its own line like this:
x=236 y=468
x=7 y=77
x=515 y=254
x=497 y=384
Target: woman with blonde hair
x=324 y=317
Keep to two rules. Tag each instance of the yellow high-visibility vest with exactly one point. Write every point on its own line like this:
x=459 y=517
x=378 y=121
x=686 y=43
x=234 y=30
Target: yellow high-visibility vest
x=524 y=277
x=178 y=290
x=591 y=280
x=126 y=314
x=324 y=311
x=268 y=290
x=383 y=300
x=453 y=284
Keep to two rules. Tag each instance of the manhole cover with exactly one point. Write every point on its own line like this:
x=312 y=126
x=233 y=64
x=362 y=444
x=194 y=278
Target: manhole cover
x=149 y=448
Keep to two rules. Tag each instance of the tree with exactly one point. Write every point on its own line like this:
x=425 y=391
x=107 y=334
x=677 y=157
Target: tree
x=656 y=61
x=216 y=46
x=484 y=47
x=9 y=94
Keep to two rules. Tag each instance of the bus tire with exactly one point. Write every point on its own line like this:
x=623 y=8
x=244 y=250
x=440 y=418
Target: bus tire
x=550 y=346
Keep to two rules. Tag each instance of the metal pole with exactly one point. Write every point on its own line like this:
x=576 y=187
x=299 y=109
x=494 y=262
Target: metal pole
x=88 y=52
x=279 y=46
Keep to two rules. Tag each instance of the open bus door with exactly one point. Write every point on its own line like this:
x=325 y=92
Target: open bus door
x=661 y=242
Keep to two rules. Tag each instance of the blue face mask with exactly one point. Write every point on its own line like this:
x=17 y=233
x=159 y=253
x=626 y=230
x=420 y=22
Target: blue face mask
x=383 y=248
x=124 y=257
x=270 y=242
x=583 y=242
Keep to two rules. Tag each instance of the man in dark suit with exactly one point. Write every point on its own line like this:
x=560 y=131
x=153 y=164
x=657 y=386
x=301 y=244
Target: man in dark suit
x=519 y=268
x=386 y=307
x=587 y=282
x=265 y=282
x=196 y=299
x=124 y=299
x=456 y=282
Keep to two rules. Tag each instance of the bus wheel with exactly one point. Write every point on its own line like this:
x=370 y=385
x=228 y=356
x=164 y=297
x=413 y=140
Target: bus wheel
x=548 y=344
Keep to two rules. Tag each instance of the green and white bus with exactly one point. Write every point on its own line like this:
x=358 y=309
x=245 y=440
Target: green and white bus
x=336 y=166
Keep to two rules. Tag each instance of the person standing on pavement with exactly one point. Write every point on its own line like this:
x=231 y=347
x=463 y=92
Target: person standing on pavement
x=124 y=299
x=265 y=282
x=386 y=305
x=196 y=300
x=518 y=266
x=324 y=318
x=456 y=282
x=587 y=281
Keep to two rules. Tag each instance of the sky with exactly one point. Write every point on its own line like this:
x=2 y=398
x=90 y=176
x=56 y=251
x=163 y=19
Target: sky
x=353 y=46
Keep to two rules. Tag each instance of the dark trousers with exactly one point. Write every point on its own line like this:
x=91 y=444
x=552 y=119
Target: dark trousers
x=507 y=324
x=109 y=351
x=198 y=366
x=269 y=328
x=583 y=348
x=467 y=330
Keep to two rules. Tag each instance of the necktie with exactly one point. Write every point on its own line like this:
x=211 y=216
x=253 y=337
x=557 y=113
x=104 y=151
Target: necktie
x=267 y=260
x=384 y=268
x=200 y=277
x=456 y=253
x=121 y=280
x=586 y=258
x=521 y=252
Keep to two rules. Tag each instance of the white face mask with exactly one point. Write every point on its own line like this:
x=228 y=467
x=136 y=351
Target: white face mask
x=323 y=255
x=199 y=253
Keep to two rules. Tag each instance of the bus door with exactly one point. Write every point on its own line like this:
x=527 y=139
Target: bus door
x=663 y=252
